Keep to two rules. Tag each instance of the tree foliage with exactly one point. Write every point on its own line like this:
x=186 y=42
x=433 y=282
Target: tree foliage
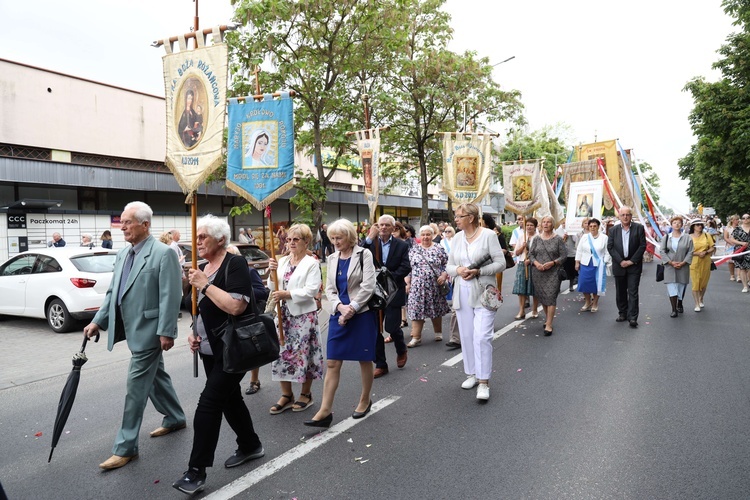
x=718 y=165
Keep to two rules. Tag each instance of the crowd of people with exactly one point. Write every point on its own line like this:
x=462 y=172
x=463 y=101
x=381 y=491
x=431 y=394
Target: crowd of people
x=439 y=270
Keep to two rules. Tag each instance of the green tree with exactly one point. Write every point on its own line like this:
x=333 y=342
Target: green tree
x=319 y=49
x=718 y=165
x=426 y=91
x=544 y=143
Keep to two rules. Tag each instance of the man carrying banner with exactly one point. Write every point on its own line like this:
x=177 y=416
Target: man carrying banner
x=392 y=253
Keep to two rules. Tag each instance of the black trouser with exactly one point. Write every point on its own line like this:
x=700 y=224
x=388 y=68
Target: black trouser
x=222 y=395
x=627 y=295
x=392 y=325
x=570 y=269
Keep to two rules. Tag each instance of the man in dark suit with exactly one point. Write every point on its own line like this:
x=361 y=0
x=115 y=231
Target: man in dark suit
x=141 y=308
x=626 y=244
x=394 y=254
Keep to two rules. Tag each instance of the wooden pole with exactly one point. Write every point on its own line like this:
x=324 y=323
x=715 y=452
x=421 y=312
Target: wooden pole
x=193 y=34
x=275 y=276
x=194 y=265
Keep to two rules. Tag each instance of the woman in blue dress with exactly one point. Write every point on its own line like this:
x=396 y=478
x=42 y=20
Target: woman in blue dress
x=352 y=328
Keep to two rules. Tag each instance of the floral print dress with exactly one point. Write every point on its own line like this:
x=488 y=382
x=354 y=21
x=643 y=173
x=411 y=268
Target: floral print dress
x=425 y=300
x=301 y=357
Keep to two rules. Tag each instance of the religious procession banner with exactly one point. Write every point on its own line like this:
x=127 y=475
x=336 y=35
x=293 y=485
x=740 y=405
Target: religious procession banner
x=196 y=86
x=467 y=162
x=523 y=187
x=550 y=205
x=260 y=149
x=584 y=201
x=368 y=144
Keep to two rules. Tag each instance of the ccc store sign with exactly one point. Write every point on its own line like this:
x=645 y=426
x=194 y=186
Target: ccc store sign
x=16 y=221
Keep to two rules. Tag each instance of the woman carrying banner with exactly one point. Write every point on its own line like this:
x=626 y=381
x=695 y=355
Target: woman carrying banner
x=700 y=268
x=428 y=262
x=676 y=255
x=547 y=254
x=474 y=260
x=352 y=328
x=301 y=358
x=523 y=285
x=591 y=263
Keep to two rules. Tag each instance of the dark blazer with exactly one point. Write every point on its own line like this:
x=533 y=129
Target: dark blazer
x=397 y=263
x=636 y=249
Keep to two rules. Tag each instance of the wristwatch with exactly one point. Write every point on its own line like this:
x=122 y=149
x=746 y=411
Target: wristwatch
x=203 y=290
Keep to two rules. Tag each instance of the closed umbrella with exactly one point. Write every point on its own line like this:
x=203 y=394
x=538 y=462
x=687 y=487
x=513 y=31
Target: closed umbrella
x=69 y=394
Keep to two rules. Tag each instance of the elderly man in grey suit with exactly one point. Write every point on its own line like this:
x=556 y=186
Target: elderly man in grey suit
x=141 y=308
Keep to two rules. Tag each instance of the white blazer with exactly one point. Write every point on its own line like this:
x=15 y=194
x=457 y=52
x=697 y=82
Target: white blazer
x=486 y=244
x=583 y=252
x=304 y=284
x=360 y=282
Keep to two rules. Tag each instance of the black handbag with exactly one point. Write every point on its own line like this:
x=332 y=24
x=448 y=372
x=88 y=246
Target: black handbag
x=509 y=262
x=659 y=272
x=561 y=274
x=385 y=286
x=250 y=341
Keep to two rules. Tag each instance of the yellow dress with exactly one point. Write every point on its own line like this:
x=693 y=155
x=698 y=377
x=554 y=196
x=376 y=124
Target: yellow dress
x=700 y=269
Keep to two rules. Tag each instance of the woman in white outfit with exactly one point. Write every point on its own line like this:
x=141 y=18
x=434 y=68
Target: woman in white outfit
x=469 y=248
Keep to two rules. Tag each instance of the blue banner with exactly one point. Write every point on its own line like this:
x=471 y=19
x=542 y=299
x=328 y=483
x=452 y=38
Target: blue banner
x=260 y=149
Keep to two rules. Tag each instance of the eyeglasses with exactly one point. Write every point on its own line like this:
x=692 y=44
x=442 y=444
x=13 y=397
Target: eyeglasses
x=460 y=216
x=627 y=215
x=128 y=222
x=746 y=217
x=293 y=240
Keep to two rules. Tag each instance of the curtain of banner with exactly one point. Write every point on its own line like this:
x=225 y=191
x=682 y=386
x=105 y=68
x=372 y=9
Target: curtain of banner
x=368 y=144
x=260 y=149
x=466 y=167
x=195 y=87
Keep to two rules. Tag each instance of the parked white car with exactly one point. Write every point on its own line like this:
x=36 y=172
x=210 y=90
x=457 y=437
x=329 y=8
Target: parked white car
x=64 y=285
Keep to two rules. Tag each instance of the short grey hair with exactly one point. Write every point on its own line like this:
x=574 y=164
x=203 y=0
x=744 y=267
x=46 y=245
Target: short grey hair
x=427 y=227
x=389 y=218
x=142 y=212
x=343 y=227
x=215 y=227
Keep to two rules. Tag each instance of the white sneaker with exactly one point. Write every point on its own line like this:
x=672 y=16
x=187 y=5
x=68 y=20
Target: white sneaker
x=697 y=309
x=744 y=290
x=702 y=305
x=483 y=392
x=469 y=383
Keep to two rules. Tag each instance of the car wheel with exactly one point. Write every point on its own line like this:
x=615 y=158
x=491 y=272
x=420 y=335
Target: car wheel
x=58 y=316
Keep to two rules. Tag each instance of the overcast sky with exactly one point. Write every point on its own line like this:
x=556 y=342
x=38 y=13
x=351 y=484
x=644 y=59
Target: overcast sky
x=608 y=70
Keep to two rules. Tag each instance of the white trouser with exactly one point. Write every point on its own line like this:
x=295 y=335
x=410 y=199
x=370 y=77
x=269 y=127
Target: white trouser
x=476 y=328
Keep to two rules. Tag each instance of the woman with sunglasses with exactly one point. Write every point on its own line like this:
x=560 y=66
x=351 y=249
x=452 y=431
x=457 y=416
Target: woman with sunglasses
x=301 y=357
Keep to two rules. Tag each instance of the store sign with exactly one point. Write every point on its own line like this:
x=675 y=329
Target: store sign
x=16 y=221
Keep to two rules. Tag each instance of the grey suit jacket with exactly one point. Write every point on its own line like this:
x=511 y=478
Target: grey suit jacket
x=684 y=253
x=151 y=301
x=360 y=281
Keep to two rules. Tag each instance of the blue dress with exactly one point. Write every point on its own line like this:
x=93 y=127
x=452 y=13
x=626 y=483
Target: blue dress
x=354 y=341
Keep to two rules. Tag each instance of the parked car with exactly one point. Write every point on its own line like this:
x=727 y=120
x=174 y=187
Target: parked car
x=64 y=285
x=255 y=257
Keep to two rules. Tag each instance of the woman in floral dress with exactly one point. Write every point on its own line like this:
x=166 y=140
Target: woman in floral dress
x=301 y=357
x=428 y=262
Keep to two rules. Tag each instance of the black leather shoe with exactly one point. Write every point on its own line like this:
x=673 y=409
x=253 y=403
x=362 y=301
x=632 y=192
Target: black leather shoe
x=620 y=319
x=453 y=345
x=679 y=307
x=193 y=481
x=360 y=414
x=633 y=323
x=241 y=457
x=673 y=314
x=323 y=422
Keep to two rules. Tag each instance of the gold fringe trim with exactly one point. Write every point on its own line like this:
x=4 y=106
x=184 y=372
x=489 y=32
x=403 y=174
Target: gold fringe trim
x=260 y=204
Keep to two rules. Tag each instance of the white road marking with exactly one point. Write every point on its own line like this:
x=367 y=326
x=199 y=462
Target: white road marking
x=269 y=468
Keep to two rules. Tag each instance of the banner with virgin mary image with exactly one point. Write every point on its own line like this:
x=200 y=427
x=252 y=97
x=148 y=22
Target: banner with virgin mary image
x=196 y=87
x=467 y=162
x=260 y=148
x=368 y=144
x=522 y=186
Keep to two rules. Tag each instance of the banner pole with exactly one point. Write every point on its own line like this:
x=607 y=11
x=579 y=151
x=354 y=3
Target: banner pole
x=274 y=275
x=194 y=265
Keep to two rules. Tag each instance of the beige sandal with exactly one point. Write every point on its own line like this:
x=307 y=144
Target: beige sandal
x=414 y=342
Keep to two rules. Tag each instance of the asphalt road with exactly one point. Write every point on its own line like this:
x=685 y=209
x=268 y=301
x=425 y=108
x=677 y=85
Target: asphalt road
x=598 y=410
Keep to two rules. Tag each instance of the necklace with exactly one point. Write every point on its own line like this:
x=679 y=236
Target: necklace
x=472 y=234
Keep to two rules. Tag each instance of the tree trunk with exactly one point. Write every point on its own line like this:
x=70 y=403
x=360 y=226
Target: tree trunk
x=425 y=219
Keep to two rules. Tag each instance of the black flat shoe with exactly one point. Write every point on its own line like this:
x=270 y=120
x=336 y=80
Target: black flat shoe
x=633 y=323
x=323 y=422
x=360 y=414
x=620 y=319
x=547 y=333
x=673 y=314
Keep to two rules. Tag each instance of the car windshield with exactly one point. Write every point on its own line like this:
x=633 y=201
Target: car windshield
x=95 y=263
x=252 y=253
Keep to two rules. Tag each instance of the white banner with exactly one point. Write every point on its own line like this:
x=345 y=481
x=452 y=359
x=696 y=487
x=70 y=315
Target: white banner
x=522 y=186
x=196 y=91
x=368 y=144
x=466 y=166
